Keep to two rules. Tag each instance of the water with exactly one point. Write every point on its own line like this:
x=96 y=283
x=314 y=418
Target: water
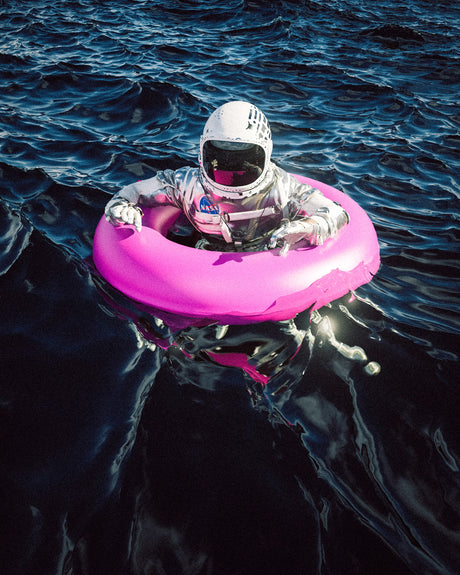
x=120 y=459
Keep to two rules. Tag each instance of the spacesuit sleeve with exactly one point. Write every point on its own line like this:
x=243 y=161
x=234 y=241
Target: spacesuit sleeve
x=161 y=190
x=311 y=204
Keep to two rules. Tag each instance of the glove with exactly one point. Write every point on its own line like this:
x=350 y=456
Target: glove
x=121 y=211
x=292 y=232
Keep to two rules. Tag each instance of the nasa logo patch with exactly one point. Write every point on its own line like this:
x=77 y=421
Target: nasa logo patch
x=207 y=207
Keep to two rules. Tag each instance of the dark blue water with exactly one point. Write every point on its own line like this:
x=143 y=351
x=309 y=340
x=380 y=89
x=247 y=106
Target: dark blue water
x=125 y=459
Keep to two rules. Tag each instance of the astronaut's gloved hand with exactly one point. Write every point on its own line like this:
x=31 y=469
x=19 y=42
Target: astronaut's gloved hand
x=120 y=211
x=290 y=233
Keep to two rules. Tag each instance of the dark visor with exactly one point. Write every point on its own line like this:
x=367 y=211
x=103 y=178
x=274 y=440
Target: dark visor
x=233 y=164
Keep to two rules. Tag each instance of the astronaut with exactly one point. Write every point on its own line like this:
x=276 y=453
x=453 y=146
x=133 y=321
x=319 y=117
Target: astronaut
x=238 y=199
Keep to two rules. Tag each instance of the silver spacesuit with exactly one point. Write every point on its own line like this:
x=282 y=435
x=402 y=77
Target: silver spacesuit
x=237 y=199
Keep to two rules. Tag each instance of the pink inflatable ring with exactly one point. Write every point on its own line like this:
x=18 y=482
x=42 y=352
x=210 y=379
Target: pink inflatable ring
x=235 y=287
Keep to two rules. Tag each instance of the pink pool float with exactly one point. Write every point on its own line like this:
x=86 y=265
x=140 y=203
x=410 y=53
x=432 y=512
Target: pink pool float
x=235 y=287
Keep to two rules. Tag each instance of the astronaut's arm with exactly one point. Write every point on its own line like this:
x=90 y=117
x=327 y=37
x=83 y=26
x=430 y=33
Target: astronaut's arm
x=315 y=219
x=327 y=216
x=125 y=206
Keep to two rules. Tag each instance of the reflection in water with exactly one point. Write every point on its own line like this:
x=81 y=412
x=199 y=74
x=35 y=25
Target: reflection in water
x=255 y=452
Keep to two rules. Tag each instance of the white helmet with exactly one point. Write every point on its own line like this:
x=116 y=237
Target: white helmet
x=235 y=150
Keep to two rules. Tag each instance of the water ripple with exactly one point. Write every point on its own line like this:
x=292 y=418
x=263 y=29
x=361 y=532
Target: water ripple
x=361 y=96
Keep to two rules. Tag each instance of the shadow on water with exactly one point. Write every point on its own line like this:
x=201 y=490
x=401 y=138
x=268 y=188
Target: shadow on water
x=278 y=446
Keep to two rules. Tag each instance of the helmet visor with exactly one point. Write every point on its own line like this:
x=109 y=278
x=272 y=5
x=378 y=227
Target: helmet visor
x=234 y=164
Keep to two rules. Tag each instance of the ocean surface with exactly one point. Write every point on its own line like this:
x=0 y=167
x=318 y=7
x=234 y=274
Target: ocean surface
x=131 y=448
